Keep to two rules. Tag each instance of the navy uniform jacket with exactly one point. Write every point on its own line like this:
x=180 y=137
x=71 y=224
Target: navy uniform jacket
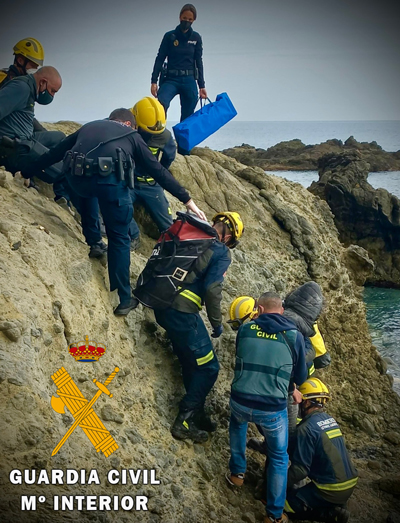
x=17 y=106
x=184 y=52
x=206 y=288
x=319 y=452
x=92 y=134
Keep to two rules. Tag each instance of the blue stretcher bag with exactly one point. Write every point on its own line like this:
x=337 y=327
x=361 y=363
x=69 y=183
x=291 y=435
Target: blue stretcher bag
x=204 y=122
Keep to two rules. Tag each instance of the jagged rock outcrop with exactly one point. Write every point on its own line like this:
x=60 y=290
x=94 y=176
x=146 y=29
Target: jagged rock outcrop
x=364 y=216
x=295 y=155
x=52 y=294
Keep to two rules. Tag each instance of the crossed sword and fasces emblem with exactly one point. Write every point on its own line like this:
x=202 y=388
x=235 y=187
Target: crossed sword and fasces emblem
x=71 y=397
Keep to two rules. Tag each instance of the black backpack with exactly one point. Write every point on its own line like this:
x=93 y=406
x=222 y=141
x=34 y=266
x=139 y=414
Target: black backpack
x=173 y=260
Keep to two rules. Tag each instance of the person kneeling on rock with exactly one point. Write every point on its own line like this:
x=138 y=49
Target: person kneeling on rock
x=319 y=453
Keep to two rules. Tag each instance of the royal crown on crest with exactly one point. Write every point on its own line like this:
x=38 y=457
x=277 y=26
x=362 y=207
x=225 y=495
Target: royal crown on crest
x=85 y=351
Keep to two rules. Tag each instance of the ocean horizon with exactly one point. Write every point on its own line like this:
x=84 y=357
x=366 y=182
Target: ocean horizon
x=264 y=134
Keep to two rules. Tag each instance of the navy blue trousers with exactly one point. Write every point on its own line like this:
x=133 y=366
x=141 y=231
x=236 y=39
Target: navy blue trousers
x=192 y=345
x=153 y=199
x=307 y=501
x=186 y=88
x=116 y=208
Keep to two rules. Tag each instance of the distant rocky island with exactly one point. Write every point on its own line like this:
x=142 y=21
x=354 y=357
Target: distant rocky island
x=294 y=155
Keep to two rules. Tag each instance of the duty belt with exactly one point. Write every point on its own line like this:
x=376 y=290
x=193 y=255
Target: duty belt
x=78 y=165
x=180 y=72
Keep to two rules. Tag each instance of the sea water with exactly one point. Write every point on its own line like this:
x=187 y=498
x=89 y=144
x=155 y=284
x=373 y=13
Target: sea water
x=382 y=305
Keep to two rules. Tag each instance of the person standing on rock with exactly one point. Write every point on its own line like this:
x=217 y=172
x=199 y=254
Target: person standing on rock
x=151 y=125
x=99 y=161
x=319 y=453
x=183 y=50
x=270 y=359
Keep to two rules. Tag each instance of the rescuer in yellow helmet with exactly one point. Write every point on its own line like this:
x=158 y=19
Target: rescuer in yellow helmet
x=151 y=125
x=28 y=57
x=180 y=317
x=319 y=453
x=243 y=308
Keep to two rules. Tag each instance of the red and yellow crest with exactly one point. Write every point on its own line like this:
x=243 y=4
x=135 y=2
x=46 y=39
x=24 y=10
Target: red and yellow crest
x=87 y=351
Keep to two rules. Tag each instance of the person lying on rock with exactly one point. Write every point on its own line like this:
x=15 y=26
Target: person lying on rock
x=20 y=143
x=151 y=125
x=270 y=359
x=99 y=161
x=319 y=453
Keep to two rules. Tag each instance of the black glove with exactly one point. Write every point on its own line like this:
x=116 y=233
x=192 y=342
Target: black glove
x=217 y=331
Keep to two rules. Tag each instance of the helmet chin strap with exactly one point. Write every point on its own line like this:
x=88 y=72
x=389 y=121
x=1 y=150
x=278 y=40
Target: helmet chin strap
x=313 y=403
x=18 y=65
x=227 y=241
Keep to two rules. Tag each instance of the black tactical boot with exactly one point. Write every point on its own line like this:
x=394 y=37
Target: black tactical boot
x=337 y=515
x=98 y=250
x=328 y=515
x=204 y=422
x=123 y=310
x=184 y=427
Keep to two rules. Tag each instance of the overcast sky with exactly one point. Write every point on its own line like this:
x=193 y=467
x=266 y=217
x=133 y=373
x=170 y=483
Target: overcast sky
x=277 y=59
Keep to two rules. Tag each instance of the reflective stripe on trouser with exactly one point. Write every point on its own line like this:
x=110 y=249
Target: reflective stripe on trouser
x=309 y=502
x=288 y=508
x=153 y=199
x=192 y=345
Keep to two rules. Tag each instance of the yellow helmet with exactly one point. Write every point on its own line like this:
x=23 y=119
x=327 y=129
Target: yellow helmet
x=313 y=388
x=234 y=223
x=241 y=310
x=150 y=115
x=32 y=50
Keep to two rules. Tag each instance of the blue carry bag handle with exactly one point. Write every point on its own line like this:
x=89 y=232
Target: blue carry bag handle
x=204 y=122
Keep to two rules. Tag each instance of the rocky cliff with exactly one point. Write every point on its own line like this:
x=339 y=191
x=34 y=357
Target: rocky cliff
x=52 y=294
x=364 y=216
x=295 y=155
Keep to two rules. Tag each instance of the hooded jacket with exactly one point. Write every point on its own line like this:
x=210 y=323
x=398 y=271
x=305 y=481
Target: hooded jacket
x=303 y=306
x=269 y=358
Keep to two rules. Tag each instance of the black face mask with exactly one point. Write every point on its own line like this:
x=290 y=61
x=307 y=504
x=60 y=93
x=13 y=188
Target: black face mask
x=185 y=25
